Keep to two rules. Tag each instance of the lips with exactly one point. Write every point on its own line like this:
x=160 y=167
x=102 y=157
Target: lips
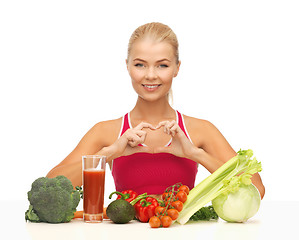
x=151 y=87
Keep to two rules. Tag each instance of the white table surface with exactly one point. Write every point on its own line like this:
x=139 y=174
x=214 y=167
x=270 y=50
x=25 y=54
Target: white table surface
x=274 y=219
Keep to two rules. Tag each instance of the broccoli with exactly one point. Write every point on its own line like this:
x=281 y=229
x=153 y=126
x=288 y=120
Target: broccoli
x=52 y=200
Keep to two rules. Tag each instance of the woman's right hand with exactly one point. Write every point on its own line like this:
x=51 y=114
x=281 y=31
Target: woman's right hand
x=129 y=142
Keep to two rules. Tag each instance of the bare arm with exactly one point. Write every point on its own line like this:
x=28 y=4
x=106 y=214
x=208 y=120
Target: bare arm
x=102 y=139
x=215 y=151
x=93 y=142
x=210 y=148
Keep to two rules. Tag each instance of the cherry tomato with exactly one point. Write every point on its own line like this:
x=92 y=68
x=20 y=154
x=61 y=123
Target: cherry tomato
x=166 y=195
x=184 y=188
x=178 y=205
x=166 y=221
x=154 y=222
x=166 y=204
x=159 y=210
x=173 y=213
x=182 y=196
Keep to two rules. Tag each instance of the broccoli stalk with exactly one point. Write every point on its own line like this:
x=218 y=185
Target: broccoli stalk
x=52 y=200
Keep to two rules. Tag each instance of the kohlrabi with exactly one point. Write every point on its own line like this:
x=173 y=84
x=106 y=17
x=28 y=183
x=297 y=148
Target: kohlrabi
x=231 y=177
x=238 y=206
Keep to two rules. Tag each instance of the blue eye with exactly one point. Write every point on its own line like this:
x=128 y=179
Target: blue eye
x=163 y=66
x=138 y=65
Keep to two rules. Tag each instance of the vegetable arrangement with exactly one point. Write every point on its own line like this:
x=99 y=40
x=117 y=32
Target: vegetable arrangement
x=225 y=182
x=149 y=209
x=145 y=208
x=173 y=202
x=234 y=198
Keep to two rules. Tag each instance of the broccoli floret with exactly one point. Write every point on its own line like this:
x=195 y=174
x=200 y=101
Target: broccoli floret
x=31 y=215
x=52 y=200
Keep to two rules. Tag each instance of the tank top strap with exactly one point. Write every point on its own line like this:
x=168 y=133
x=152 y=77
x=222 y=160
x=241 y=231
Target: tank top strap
x=181 y=124
x=125 y=124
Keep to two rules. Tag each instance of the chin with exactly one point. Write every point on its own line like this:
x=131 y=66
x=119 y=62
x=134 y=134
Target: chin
x=153 y=98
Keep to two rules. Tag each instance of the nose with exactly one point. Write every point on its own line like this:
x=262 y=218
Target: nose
x=151 y=74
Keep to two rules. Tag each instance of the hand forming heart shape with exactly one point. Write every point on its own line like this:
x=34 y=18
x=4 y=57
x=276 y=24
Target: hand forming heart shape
x=154 y=140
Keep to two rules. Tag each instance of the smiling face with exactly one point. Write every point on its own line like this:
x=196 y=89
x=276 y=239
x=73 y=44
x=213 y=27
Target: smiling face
x=152 y=67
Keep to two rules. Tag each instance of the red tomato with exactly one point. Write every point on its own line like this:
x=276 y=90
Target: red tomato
x=155 y=222
x=166 y=221
x=159 y=210
x=178 y=205
x=173 y=213
x=184 y=188
x=167 y=195
x=182 y=196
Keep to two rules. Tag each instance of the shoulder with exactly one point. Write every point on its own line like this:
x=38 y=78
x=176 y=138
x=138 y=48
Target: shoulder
x=197 y=124
x=199 y=129
x=106 y=132
x=108 y=125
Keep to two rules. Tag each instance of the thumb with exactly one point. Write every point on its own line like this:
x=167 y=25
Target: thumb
x=144 y=149
x=163 y=150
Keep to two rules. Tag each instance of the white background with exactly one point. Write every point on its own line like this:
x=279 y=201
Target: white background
x=62 y=69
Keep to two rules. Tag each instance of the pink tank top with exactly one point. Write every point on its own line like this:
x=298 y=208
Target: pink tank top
x=152 y=173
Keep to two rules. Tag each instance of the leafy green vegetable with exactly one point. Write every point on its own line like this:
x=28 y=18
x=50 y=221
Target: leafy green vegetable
x=205 y=214
x=52 y=200
x=30 y=215
x=80 y=190
x=238 y=170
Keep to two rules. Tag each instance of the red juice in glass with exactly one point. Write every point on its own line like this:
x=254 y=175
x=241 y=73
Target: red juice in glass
x=93 y=193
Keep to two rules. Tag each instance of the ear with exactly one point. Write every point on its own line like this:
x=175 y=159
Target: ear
x=178 y=68
x=127 y=64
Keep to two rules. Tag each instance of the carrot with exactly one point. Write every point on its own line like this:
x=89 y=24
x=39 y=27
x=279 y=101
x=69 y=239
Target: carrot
x=104 y=213
x=79 y=214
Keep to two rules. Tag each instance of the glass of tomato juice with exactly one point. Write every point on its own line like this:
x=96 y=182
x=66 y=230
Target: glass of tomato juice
x=93 y=187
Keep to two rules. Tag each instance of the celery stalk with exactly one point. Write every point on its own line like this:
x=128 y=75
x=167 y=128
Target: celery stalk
x=227 y=178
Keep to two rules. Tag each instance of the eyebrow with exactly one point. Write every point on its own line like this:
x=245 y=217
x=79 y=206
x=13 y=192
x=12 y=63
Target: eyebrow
x=161 y=60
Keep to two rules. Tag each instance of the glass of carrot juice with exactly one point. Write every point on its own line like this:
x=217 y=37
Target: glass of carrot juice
x=93 y=187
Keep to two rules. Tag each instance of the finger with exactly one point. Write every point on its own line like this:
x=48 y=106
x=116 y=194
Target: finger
x=140 y=133
x=174 y=130
x=137 y=149
x=169 y=125
x=163 y=123
x=132 y=144
x=142 y=125
x=134 y=140
x=142 y=136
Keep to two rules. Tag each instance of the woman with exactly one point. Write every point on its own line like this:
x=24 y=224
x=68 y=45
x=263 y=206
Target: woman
x=153 y=146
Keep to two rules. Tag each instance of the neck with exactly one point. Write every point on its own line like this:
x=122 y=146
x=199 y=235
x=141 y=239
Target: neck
x=152 y=112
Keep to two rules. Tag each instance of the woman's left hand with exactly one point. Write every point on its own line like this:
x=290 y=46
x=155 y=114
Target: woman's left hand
x=180 y=145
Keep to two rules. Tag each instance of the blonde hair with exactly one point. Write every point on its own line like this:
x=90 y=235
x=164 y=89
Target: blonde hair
x=158 y=32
